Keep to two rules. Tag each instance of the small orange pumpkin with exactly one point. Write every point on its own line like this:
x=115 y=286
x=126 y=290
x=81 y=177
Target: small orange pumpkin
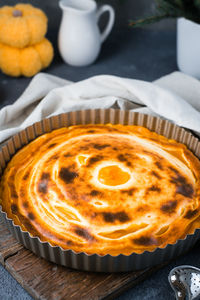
x=22 y=25
x=27 y=61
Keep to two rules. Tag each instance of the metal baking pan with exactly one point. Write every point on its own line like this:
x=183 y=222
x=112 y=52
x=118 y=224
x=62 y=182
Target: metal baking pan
x=83 y=261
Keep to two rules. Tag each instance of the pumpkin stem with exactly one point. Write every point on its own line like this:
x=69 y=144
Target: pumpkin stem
x=17 y=13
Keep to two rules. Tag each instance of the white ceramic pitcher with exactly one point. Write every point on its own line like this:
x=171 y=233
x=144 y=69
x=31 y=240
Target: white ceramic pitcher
x=79 y=39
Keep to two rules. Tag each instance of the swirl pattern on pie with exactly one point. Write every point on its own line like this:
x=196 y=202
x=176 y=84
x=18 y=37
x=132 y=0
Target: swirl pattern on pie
x=104 y=189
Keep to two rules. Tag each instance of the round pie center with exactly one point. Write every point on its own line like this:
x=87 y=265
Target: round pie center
x=113 y=175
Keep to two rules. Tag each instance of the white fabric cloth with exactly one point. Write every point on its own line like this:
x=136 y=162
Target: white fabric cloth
x=175 y=97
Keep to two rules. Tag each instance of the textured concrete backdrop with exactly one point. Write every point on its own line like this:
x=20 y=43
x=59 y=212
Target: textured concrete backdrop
x=125 y=11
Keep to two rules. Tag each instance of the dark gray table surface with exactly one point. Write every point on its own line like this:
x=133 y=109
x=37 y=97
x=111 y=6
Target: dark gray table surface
x=140 y=54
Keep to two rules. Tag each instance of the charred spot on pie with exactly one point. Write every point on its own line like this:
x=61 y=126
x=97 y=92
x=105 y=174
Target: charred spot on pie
x=185 y=190
x=14 y=194
x=145 y=241
x=25 y=177
x=155 y=174
x=128 y=154
x=141 y=209
x=159 y=165
x=14 y=208
x=190 y=214
x=89 y=186
x=13 y=190
x=179 y=179
x=129 y=164
x=45 y=175
x=52 y=145
x=174 y=170
x=67 y=176
x=101 y=147
x=91 y=131
x=31 y=216
x=95 y=193
x=153 y=188
x=129 y=192
x=84 y=233
x=54 y=157
x=84 y=148
x=169 y=206
x=67 y=155
x=25 y=204
x=115 y=148
x=43 y=186
x=121 y=216
x=182 y=186
x=43 y=183
x=94 y=159
x=22 y=194
x=73 y=196
x=86 y=140
x=93 y=215
x=30 y=227
x=69 y=243
x=121 y=158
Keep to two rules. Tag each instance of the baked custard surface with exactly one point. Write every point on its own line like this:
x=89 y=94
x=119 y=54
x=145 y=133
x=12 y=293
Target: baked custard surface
x=104 y=189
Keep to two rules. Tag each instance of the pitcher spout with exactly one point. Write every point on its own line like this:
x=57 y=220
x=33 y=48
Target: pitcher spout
x=79 y=6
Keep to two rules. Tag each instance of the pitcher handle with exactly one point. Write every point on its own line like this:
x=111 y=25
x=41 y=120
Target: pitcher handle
x=107 y=30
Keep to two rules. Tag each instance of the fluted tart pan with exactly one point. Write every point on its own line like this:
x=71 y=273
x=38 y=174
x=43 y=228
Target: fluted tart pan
x=87 y=261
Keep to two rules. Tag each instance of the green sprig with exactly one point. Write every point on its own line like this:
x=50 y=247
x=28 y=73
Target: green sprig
x=189 y=9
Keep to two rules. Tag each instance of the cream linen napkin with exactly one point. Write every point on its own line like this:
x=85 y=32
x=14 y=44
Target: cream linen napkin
x=175 y=97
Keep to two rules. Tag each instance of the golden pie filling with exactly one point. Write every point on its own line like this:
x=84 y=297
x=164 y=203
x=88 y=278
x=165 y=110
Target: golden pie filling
x=105 y=189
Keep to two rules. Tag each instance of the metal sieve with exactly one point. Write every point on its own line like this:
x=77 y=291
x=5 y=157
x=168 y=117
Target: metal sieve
x=185 y=281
